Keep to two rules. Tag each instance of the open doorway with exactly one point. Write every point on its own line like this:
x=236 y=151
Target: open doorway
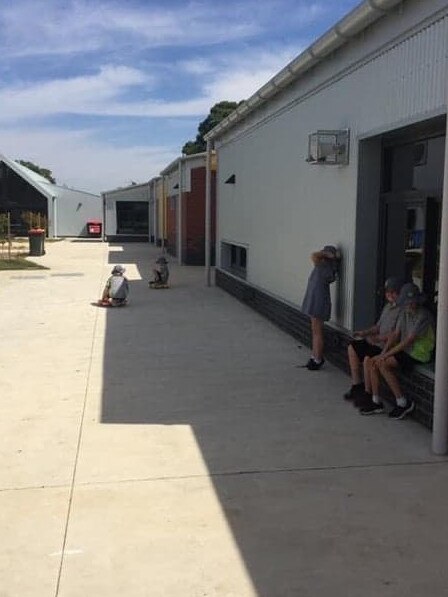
x=411 y=224
x=132 y=218
x=410 y=207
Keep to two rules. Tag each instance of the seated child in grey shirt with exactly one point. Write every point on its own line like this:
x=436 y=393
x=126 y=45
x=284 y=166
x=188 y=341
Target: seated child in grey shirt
x=116 y=290
x=412 y=342
x=370 y=342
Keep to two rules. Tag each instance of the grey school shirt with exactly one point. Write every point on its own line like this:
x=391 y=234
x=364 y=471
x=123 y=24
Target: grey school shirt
x=118 y=287
x=414 y=323
x=388 y=319
x=317 y=300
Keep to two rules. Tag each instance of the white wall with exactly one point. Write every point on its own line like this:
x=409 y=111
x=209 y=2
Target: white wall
x=74 y=210
x=284 y=208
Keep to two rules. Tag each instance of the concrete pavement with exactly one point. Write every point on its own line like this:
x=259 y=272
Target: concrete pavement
x=171 y=448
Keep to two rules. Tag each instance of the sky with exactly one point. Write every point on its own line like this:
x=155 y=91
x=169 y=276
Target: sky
x=105 y=93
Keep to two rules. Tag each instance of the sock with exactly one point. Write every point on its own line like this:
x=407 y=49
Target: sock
x=376 y=399
x=402 y=402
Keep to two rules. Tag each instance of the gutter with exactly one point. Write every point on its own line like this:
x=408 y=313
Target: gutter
x=340 y=34
x=184 y=158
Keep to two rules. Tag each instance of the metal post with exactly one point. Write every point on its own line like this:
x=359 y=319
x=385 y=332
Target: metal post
x=208 y=219
x=55 y=218
x=154 y=196
x=163 y=214
x=440 y=424
x=149 y=212
x=179 y=214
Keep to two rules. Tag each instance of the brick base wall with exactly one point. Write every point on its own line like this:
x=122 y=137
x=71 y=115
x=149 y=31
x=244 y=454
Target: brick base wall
x=417 y=386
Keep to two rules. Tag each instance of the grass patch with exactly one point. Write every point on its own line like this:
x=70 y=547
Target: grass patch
x=19 y=263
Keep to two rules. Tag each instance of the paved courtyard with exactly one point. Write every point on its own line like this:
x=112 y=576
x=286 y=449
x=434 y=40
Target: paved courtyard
x=173 y=449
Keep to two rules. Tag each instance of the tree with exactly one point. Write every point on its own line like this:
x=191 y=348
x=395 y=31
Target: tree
x=219 y=111
x=35 y=168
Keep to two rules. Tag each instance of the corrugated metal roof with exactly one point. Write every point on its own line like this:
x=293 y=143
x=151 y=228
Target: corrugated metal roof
x=356 y=21
x=40 y=183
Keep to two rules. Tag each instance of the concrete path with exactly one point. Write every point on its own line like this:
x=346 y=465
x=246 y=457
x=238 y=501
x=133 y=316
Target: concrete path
x=172 y=449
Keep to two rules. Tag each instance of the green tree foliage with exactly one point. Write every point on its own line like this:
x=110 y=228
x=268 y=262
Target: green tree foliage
x=35 y=168
x=217 y=113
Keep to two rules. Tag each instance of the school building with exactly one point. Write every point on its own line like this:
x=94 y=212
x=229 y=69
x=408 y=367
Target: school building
x=127 y=213
x=344 y=146
x=67 y=211
x=184 y=183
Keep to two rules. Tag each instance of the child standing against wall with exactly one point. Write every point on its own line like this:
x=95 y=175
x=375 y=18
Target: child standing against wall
x=317 y=301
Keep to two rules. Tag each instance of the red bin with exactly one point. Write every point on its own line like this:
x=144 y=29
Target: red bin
x=94 y=228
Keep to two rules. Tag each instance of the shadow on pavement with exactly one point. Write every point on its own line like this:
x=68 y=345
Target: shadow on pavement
x=193 y=356
x=178 y=356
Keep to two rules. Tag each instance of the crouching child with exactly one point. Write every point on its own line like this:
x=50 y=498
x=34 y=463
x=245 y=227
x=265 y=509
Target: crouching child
x=116 y=291
x=161 y=273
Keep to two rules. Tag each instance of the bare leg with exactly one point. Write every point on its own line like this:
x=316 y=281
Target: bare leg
x=354 y=363
x=367 y=366
x=387 y=371
x=375 y=379
x=317 y=330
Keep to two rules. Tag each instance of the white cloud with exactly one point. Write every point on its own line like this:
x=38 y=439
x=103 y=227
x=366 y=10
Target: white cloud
x=87 y=94
x=81 y=25
x=123 y=31
x=232 y=77
x=81 y=162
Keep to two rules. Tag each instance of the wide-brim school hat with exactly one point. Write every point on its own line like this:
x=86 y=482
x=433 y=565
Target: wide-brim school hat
x=410 y=293
x=393 y=284
x=118 y=269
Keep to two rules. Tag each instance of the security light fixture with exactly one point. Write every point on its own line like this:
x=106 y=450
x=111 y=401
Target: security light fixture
x=230 y=180
x=176 y=186
x=329 y=148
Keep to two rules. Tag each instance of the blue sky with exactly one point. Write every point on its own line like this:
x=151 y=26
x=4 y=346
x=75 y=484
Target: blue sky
x=106 y=92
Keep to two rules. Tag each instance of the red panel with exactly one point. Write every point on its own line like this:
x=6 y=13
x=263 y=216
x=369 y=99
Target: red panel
x=194 y=215
x=171 y=225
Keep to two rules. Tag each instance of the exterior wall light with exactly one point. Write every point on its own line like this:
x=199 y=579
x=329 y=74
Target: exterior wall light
x=230 y=180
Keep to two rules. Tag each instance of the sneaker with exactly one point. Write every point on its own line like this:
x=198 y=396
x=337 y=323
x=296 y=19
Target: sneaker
x=362 y=399
x=353 y=392
x=313 y=366
x=399 y=412
x=372 y=408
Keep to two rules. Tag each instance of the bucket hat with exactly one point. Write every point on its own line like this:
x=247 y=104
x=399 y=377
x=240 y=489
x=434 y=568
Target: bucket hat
x=410 y=293
x=393 y=284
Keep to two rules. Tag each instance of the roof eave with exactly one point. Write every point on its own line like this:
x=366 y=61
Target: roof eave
x=361 y=17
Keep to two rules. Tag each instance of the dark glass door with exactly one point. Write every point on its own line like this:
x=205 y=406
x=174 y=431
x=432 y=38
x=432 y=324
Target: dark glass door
x=132 y=217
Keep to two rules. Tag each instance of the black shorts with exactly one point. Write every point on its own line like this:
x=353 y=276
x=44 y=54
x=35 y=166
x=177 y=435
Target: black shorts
x=405 y=361
x=364 y=349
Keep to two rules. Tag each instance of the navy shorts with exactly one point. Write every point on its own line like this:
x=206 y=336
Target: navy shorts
x=364 y=349
x=405 y=361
